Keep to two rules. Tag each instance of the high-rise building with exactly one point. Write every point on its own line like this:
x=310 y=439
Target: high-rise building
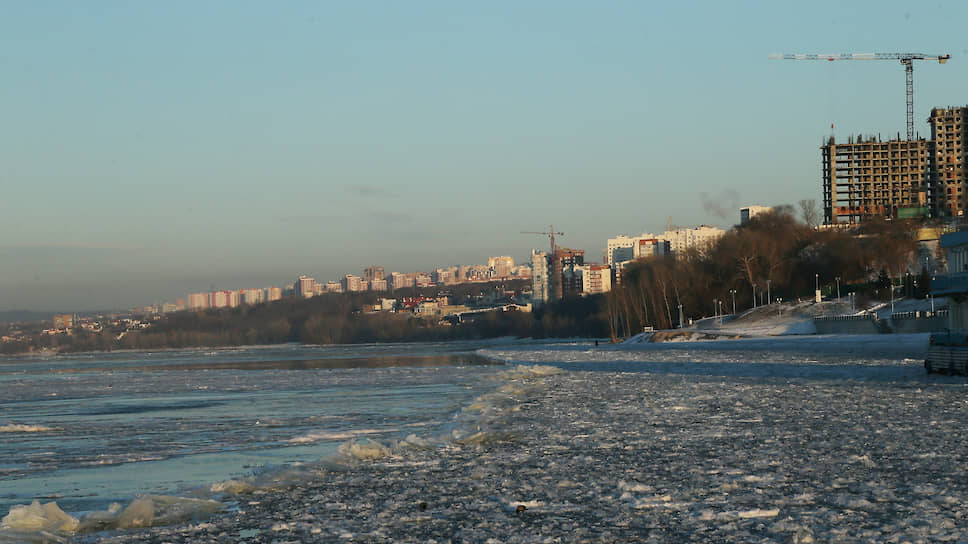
x=446 y=276
x=371 y=273
x=273 y=293
x=500 y=266
x=352 y=284
x=949 y=130
x=621 y=248
x=596 y=279
x=684 y=238
x=749 y=212
x=378 y=285
x=305 y=287
x=252 y=296
x=651 y=247
x=220 y=299
x=868 y=177
x=562 y=287
x=401 y=281
x=540 y=277
x=199 y=301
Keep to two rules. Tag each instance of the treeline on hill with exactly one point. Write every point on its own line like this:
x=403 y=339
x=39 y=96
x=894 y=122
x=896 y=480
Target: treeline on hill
x=335 y=319
x=773 y=247
x=773 y=253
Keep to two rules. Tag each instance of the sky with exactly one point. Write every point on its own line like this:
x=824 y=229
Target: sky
x=152 y=149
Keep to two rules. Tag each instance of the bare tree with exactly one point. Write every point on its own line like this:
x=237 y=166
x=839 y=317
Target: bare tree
x=809 y=212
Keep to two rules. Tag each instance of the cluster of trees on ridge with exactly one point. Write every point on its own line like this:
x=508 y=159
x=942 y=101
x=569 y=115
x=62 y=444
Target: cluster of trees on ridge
x=773 y=247
x=774 y=253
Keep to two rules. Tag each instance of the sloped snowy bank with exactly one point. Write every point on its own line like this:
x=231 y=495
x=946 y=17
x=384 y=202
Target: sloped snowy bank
x=646 y=456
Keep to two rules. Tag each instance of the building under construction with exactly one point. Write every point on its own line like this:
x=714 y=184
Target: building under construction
x=868 y=177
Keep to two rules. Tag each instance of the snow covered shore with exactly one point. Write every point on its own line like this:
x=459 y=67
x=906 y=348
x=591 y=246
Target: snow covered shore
x=628 y=453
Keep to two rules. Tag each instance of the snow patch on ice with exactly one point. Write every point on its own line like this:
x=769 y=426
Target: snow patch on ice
x=235 y=487
x=864 y=460
x=524 y=372
x=758 y=513
x=150 y=511
x=367 y=450
x=19 y=428
x=327 y=436
x=38 y=517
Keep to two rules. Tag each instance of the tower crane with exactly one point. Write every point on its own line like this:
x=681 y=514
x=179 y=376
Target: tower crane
x=906 y=59
x=550 y=234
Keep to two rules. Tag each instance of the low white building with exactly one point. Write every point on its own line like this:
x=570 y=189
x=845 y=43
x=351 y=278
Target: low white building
x=749 y=212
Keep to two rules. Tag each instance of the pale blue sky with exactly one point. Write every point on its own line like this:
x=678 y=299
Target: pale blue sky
x=149 y=149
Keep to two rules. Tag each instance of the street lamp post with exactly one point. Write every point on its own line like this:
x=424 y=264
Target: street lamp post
x=680 y=316
x=753 y=288
x=720 y=312
x=769 y=298
x=838 y=288
x=816 y=287
x=733 y=292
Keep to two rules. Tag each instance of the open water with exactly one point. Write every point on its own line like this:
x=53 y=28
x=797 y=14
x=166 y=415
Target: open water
x=89 y=430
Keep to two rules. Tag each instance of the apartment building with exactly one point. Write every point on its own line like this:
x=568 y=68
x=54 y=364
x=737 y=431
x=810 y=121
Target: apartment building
x=868 y=177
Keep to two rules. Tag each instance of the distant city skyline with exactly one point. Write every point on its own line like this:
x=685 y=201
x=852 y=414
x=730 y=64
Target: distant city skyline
x=151 y=149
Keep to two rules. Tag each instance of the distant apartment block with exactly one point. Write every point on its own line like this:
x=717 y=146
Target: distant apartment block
x=749 y=212
x=305 y=287
x=253 y=296
x=273 y=293
x=199 y=301
x=596 y=279
x=563 y=286
x=63 y=321
x=621 y=248
x=500 y=267
x=540 y=277
x=446 y=276
x=352 y=284
x=628 y=248
x=379 y=285
x=401 y=281
x=422 y=279
x=372 y=273
x=700 y=238
x=522 y=272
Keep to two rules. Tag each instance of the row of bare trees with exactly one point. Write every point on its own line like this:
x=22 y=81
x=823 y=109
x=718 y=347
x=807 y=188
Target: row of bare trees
x=773 y=256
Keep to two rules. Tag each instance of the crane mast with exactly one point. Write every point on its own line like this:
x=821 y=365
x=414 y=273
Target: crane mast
x=551 y=236
x=906 y=59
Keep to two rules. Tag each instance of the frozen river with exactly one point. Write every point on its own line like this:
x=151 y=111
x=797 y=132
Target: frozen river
x=90 y=430
x=804 y=440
